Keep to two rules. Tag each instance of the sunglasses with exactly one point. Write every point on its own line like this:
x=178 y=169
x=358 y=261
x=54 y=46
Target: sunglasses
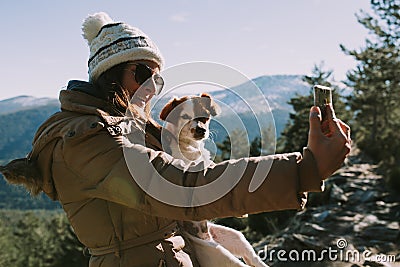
x=143 y=72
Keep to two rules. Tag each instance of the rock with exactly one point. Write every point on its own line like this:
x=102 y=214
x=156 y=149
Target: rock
x=368 y=196
x=320 y=217
x=353 y=219
x=342 y=179
x=365 y=222
x=311 y=229
x=380 y=232
x=308 y=242
x=375 y=264
x=356 y=206
x=337 y=194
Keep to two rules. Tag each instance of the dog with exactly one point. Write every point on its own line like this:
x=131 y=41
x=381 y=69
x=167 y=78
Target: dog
x=188 y=119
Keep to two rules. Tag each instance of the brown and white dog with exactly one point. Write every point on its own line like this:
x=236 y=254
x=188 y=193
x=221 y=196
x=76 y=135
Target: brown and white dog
x=187 y=119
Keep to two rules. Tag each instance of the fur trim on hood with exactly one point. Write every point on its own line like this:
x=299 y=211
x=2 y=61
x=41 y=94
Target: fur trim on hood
x=23 y=171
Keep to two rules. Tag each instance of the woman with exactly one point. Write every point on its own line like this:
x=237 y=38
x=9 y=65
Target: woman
x=78 y=159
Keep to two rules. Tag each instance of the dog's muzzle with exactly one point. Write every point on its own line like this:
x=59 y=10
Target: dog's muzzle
x=199 y=132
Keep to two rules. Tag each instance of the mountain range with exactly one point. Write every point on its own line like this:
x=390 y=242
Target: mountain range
x=254 y=105
x=26 y=103
x=251 y=106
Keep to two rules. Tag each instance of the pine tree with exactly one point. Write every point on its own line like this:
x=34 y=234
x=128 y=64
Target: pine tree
x=9 y=252
x=67 y=250
x=376 y=84
x=295 y=135
x=240 y=149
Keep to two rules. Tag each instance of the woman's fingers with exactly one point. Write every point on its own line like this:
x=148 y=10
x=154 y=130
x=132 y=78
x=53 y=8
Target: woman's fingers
x=345 y=129
x=315 y=121
x=336 y=125
x=344 y=135
x=330 y=112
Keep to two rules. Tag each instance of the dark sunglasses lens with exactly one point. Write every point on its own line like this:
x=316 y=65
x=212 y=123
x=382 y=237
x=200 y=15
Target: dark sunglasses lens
x=142 y=73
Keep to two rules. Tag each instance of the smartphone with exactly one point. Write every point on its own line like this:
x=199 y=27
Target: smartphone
x=322 y=97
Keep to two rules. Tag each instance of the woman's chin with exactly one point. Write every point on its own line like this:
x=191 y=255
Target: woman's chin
x=138 y=103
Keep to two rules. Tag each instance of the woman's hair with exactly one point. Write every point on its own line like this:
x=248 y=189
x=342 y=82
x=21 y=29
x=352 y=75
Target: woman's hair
x=109 y=86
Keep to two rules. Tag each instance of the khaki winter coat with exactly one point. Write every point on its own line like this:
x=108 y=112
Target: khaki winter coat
x=79 y=152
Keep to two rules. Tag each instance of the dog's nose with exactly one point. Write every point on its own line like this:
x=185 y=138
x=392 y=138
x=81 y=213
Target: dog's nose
x=200 y=131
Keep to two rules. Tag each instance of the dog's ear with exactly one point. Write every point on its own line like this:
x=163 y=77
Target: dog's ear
x=213 y=107
x=168 y=108
x=173 y=103
x=205 y=95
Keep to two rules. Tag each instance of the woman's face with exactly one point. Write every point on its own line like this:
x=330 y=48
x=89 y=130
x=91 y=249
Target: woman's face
x=140 y=94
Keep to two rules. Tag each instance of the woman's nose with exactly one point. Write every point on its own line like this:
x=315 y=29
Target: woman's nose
x=149 y=86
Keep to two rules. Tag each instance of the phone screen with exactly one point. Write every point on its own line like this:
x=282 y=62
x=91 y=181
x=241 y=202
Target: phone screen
x=322 y=97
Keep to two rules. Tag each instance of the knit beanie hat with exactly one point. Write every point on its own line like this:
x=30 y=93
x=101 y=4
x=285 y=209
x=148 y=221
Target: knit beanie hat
x=112 y=43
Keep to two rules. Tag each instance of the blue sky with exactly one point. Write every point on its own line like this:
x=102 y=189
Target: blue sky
x=42 y=48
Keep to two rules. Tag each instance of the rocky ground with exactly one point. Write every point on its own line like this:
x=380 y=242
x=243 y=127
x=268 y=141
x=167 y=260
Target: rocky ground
x=355 y=222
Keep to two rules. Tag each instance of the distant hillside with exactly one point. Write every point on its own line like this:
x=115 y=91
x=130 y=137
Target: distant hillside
x=21 y=116
x=19 y=103
x=17 y=130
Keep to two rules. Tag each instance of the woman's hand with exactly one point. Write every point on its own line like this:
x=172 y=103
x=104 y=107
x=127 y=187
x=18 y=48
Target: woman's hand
x=331 y=149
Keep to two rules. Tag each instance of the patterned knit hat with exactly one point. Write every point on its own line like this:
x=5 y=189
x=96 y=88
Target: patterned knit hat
x=112 y=43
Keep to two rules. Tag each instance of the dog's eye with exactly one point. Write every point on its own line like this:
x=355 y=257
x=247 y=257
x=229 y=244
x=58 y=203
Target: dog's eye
x=185 y=117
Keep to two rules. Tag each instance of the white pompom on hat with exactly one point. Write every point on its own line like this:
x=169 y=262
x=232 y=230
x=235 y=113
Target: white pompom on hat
x=112 y=43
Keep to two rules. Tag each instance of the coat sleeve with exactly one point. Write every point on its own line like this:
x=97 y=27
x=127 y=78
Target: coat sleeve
x=125 y=173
